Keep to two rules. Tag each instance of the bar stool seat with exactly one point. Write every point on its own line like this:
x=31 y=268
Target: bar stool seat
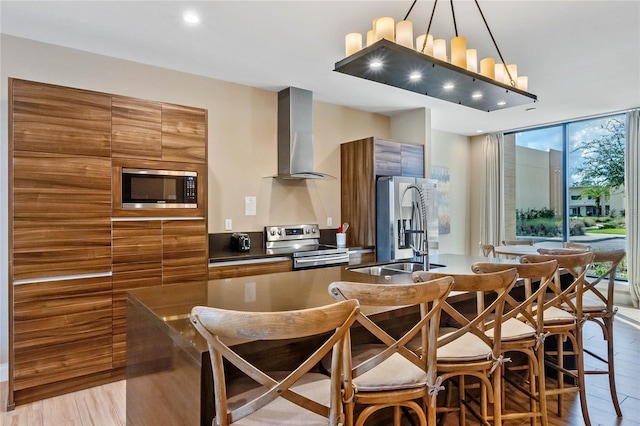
x=467 y=347
x=514 y=329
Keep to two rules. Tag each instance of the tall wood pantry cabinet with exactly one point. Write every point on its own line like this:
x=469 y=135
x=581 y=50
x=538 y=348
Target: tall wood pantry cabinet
x=73 y=251
x=361 y=162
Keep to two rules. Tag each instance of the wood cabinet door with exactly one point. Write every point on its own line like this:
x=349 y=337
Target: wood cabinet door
x=184 y=251
x=61 y=215
x=62 y=331
x=136 y=128
x=388 y=158
x=412 y=160
x=358 y=191
x=57 y=119
x=184 y=134
x=137 y=262
x=232 y=271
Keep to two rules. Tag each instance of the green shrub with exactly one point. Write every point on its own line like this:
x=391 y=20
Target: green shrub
x=576 y=228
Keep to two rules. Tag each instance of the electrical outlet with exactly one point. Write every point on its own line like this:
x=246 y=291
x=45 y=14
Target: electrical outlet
x=329 y=221
x=227 y=224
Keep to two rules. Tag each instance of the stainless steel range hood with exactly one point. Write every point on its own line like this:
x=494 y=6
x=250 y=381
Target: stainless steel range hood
x=295 y=135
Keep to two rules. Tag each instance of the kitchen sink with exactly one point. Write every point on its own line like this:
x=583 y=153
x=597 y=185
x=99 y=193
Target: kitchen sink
x=393 y=268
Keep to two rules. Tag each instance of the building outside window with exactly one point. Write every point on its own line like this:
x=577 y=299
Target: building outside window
x=569 y=183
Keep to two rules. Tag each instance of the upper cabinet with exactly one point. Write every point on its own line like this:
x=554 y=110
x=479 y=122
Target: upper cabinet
x=361 y=161
x=397 y=159
x=54 y=119
x=149 y=130
x=184 y=133
x=136 y=128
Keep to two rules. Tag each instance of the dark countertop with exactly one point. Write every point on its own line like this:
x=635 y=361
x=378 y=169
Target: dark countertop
x=307 y=288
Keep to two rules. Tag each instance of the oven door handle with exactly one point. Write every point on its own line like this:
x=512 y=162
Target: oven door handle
x=323 y=258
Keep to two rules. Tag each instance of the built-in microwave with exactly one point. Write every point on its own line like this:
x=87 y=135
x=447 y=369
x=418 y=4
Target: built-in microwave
x=159 y=189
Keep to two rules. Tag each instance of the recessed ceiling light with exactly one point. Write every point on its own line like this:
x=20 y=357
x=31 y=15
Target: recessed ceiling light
x=476 y=95
x=448 y=86
x=191 y=17
x=501 y=103
x=479 y=131
x=375 y=64
x=415 y=76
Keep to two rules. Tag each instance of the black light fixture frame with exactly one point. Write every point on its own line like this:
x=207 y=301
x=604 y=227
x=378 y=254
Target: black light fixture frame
x=398 y=62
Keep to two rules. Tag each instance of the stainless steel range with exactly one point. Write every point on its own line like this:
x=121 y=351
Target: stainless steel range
x=302 y=242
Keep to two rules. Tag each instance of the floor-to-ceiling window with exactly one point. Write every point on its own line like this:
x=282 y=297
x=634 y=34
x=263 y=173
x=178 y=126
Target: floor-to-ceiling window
x=570 y=183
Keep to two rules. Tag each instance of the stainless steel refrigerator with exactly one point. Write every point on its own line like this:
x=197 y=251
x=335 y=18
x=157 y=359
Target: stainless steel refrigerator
x=406 y=217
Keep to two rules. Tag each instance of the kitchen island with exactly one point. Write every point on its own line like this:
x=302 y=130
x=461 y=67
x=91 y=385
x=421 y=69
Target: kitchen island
x=168 y=368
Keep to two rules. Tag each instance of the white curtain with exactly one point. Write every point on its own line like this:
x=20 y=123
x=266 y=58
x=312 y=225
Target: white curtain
x=491 y=195
x=632 y=196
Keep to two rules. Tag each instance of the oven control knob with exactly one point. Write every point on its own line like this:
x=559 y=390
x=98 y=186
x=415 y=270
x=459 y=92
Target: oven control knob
x=306 y=231
x=313 y=230
x=279 y=231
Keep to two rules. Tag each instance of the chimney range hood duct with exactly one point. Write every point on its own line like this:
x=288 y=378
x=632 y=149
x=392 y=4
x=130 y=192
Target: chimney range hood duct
x=295 y=135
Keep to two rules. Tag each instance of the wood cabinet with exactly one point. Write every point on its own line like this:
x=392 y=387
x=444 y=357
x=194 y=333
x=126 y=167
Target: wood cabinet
x=184 y=134
x=61 y=214
x=137 y=262
x=361 y=161
x=184 y=251
x=150 y=130
x=71 y=258
x=61 y=336
x=151 y=253
x=136 y=128
x=243 y=269
x=55 y=119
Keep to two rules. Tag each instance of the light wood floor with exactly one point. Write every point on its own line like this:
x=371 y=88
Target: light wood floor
x=105 y=405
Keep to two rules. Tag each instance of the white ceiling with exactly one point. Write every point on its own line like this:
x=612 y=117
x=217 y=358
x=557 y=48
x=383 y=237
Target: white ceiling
x=582 y=57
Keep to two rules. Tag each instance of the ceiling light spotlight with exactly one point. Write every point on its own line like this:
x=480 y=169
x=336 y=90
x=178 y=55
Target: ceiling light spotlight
x=495 y=79
x=415 y=76
x=375 y=64
x=448 y=86
x=191 y=17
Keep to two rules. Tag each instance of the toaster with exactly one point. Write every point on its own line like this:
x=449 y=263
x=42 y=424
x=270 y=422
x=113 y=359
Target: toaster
x=240 y=242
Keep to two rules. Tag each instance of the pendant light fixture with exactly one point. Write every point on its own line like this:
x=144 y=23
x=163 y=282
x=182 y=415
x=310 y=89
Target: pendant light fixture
x=390 y=57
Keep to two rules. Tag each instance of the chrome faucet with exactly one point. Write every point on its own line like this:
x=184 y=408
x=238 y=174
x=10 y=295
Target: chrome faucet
x=424 y=250
x=422 y=253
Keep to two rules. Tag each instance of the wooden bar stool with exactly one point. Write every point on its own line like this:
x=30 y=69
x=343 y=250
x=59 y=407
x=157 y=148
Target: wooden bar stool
x=487 y=250
x=390 y=374
x=297 y=397
x=563 y=318
x=466 y=350
x=523 y=332
x=599 y=308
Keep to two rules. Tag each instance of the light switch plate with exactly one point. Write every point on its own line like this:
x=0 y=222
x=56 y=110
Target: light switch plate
x=250 y=206
x=227 y=224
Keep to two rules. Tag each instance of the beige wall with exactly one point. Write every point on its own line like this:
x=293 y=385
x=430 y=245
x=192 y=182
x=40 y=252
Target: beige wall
x=453 y=151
